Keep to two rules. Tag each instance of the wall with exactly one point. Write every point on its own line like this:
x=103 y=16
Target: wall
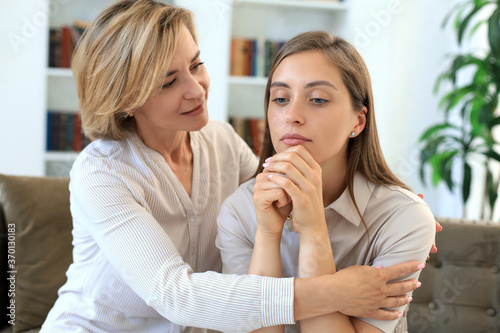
x=23 y=26
x=405 y=50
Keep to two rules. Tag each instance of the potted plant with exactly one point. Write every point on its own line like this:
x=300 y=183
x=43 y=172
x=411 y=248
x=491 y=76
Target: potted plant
x=466 y=134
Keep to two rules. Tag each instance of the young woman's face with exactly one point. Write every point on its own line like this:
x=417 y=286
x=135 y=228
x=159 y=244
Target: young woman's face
x=310 y=106
x=181 y=103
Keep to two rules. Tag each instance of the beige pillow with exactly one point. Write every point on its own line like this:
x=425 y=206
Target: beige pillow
x=38 y=209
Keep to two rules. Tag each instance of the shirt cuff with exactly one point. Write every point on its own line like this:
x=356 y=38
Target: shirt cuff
x=277 y=301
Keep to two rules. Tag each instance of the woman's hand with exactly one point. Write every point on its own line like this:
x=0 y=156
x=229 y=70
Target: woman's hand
x=438 y=229
x=299 y=175
x=272 y=205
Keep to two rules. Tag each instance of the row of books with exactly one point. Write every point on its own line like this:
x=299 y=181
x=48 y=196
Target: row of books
x=64 y=132
x=253 y=57
x=251 y=130
x=62 y=42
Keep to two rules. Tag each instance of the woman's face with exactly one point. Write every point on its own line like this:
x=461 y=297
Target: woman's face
x=309 y=105
x=181 y=103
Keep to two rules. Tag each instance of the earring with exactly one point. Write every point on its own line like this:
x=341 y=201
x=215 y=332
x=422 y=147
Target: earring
x=353 y=134
x=130 y=113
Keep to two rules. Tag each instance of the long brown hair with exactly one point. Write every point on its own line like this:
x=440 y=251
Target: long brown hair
x=121 y=60
x=364 y=152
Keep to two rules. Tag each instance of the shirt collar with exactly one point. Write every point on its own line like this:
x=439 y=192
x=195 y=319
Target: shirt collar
x=363 y=190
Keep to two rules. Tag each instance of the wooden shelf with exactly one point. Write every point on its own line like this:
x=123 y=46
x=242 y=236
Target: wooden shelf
x=328 y=5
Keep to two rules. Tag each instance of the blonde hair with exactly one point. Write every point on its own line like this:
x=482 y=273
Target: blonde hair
x=364 y=152
x=120 y=61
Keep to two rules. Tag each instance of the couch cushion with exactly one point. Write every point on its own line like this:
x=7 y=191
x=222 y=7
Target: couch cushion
x=37 y=209
x=460 y=283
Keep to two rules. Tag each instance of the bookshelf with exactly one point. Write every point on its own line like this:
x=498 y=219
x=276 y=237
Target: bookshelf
x=272 y=20
x=61 y=96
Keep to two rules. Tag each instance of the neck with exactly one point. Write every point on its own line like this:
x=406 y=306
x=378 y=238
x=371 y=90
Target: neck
x=334 y=180
x=173 y=146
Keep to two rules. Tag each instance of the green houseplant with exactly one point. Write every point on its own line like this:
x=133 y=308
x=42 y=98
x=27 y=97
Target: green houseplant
x=466 y=134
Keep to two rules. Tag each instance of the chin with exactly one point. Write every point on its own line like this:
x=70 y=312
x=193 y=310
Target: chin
x=201 y=122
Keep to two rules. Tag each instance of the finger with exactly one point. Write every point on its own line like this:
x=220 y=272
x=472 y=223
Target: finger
x=300 y=157
x=285 y=183
x=382 y=314
x=399 y=270
x=396 y=301
x=266 y=198
x=434 y=248
x=263 y=183
x=288 y=169
x=438 y=226
x=402 y=288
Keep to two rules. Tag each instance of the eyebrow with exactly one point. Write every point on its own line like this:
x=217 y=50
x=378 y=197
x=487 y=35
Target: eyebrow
x=192 y=60
x=309 y=85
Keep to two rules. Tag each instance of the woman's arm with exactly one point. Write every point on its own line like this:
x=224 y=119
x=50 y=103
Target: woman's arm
x=303 y=184
x=316 y=259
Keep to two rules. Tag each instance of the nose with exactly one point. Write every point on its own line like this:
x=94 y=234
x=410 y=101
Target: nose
x=293 y=113
x=196 y=87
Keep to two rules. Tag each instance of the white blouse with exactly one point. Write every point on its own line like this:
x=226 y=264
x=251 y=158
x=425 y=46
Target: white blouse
x=139 y=239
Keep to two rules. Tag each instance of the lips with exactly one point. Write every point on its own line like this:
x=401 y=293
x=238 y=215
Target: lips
x=293 y=139
x=195 y=111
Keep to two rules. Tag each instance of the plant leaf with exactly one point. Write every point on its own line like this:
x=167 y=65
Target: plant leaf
x=494 y=32
x=492 y=189
x=450 y=100
x=492 y=154
x=446 y=165
x=466 y=20
x=476 y=26
x=436 y=128
x=450 y=13
x=466 y=183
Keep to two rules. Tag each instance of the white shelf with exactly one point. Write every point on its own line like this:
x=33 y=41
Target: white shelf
x=61 y=156
x=325 y=4
x=248 y=80
x=59 y=72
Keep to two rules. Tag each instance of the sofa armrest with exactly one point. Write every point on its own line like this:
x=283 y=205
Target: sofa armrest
x=36 y=209
x=460 y=282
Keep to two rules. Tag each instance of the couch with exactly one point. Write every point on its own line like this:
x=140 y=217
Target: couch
x=460 y=290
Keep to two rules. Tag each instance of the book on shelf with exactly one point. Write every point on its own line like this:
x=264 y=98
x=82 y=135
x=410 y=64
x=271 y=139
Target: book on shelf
x=251 y=130
x=64 y=132
x=253 y=57
x=62 y=43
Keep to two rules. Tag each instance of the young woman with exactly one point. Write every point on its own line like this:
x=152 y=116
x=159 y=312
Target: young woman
x=146 y=192
x=323 y=198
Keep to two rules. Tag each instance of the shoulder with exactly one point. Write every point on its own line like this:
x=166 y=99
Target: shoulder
x=398 y=199
x=238 y=208
x=110 y=157
x=403 y=211
x=242 y=198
